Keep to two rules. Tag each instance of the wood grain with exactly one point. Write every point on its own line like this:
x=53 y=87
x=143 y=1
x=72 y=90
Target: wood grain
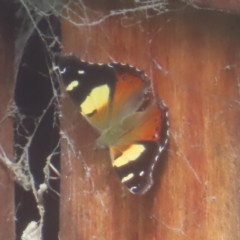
x=192 y=58
x=222 y=5
x=6 y=125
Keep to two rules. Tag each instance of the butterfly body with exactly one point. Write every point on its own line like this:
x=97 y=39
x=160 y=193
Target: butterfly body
x=112 y=98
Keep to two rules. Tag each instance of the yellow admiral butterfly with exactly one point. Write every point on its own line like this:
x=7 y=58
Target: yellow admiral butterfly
x=112 y=98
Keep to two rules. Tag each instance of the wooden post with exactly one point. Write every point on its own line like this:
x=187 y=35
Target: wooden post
x=228 y=6
x=7 y=211
x=193 y=60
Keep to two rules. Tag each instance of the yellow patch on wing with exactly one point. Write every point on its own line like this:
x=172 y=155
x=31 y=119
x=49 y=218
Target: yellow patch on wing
x=128 y=177
x=97 y=98
x=72 y=85
x=131 y=154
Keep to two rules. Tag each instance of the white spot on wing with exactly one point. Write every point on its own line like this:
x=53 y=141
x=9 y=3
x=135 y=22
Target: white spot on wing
x=72 y=85
x=161 y=148
x=132 y=188
x=81 y=71
x=63 y=71
x=57 y=68
x=128 y=177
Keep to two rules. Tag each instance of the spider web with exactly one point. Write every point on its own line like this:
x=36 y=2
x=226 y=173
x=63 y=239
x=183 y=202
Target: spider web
x=27 y=125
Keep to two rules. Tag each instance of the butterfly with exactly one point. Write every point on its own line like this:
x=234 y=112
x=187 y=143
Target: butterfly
x=114 y=99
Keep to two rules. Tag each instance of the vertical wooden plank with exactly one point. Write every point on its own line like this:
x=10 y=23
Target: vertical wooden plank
x=6 y=125
x=203 y=169
x=193 y=58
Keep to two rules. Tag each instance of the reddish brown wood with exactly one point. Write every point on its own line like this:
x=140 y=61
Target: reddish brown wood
x=192 y=57
x=230 y=5
x=6 y=128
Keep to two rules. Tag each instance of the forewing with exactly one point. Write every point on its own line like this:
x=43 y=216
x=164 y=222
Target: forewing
x=90 y=86
x=105 y=94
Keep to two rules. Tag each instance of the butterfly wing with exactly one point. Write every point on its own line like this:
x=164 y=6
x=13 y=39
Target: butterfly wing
x=136 y=153
x=90 y=86
x=110 y=97
x=105 y=94
x=131 y=88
